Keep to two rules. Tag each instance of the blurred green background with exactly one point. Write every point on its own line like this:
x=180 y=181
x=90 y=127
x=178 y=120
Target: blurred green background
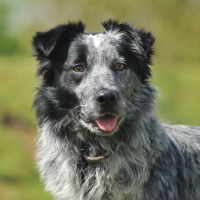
x=176 y=71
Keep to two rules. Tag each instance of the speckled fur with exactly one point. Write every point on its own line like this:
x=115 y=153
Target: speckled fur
x=147 y=160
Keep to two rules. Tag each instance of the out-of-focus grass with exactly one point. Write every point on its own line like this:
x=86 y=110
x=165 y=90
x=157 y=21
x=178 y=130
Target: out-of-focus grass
x=17 y=81
x=179 y=86
x=18 y=178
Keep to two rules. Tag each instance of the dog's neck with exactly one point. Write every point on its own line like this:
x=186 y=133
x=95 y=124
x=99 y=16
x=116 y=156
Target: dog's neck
x=129 y=155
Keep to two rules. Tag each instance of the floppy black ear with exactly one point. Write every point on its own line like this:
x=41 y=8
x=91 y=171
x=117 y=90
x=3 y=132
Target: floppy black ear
x=45 y=42
x=140 y=43
x=147 y=41
x=52 y=45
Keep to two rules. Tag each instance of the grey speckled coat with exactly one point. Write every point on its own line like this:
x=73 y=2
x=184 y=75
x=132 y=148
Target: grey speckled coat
x=89 y=82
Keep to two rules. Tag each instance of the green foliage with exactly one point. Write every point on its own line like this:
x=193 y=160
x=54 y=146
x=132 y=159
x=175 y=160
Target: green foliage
x=17 y=87
x=18 y=178
x=178 y=85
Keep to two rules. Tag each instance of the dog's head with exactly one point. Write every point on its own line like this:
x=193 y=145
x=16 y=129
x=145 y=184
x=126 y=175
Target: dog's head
x=97 y=77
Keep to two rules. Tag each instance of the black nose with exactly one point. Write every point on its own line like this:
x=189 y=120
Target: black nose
x=106 y=98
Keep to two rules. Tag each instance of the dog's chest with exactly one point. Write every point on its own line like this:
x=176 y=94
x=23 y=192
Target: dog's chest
x=106 y=180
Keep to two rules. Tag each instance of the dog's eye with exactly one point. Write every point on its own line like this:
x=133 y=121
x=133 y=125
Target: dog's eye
x=119 y=66
x=78 y=69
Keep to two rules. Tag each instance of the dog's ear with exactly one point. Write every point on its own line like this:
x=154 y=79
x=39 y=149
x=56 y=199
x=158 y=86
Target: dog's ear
x=140 y=42
x=142 y=39
x=44 y=43
x=147 y=43
x=52 y=45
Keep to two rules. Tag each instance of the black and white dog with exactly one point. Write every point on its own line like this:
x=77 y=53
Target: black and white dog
x=99 y=136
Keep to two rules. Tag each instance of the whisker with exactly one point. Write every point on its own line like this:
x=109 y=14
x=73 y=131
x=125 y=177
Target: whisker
x=24 y=70
x=79 y=106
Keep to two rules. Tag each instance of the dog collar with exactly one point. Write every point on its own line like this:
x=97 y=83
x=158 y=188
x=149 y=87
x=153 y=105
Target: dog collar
x=93 y=159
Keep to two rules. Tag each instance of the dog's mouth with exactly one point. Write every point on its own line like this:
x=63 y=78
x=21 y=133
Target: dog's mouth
x=105 y=123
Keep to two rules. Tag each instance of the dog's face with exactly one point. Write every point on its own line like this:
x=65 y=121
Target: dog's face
x=97 y=77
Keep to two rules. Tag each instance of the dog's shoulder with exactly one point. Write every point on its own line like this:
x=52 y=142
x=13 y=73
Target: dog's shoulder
x=187 y=138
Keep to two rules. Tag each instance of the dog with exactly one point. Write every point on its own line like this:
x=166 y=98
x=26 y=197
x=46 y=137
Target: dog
x=100 y=138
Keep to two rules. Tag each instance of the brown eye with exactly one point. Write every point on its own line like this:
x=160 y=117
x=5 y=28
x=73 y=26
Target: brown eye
x=119 y=66
x=78 y=69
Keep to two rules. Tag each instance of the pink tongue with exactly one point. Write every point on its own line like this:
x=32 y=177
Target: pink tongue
x=107 y=122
